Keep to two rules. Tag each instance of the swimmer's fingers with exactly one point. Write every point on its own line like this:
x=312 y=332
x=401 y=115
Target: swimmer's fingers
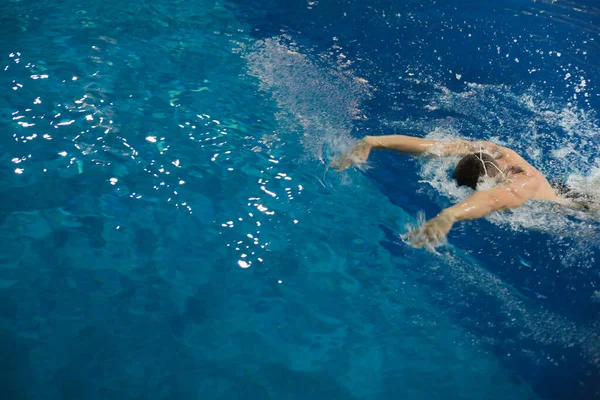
x=355 y=157
x=426 y=236
x=424 y=241
x=428 y=243
x=412 y=235
x=345 y=161
x=340 y=164
x=416 y=238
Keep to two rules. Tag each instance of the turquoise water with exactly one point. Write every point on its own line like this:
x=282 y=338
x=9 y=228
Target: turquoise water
x=170 y=228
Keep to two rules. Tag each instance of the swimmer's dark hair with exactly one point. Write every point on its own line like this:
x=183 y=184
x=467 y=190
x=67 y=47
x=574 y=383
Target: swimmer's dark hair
x=470 y=169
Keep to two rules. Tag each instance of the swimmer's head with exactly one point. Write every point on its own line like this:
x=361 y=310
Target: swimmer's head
x=471 y=168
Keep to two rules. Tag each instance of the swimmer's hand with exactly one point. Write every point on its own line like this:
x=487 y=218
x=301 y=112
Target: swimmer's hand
x=433 y=232
x=356 y=156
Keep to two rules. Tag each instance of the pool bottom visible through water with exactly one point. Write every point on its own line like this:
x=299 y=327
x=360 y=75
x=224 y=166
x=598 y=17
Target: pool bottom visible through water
x=170 y=227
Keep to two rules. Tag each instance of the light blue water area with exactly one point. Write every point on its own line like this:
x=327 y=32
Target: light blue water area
x=171 y=230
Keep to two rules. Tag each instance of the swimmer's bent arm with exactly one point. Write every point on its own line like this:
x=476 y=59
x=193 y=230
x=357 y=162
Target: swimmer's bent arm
x=486 y=202
x=476 y=206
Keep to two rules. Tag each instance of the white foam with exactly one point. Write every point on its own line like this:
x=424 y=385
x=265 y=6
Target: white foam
x=589 y=185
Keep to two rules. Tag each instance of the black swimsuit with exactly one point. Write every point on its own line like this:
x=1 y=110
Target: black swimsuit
x=583 y=200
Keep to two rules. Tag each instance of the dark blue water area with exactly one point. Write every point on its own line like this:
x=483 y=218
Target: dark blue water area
x=169 y=228
x=519 y=44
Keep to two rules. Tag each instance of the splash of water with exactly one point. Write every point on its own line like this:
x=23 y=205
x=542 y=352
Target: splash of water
x=318 y=97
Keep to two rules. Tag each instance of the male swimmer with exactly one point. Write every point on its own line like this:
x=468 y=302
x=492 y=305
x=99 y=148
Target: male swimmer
x=516 y=180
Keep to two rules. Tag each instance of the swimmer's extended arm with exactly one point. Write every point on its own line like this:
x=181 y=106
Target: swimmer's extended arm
x=409 y=145
x=418 y=146
x=477 y=206
x=400 y=143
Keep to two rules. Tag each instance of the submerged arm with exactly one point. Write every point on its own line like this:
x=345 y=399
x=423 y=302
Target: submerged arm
x=476 y=206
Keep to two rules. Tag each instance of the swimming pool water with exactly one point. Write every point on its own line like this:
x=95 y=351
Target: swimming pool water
x=170 y=228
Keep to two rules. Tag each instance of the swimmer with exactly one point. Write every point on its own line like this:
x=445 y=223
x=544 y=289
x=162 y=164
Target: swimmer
x=517 y=181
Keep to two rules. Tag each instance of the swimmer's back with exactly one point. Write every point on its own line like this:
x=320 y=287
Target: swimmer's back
x=518 y=168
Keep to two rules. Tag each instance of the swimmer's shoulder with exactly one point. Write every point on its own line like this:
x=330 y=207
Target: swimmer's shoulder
x=457 y=146
x=495 y=150
x=511 y=158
